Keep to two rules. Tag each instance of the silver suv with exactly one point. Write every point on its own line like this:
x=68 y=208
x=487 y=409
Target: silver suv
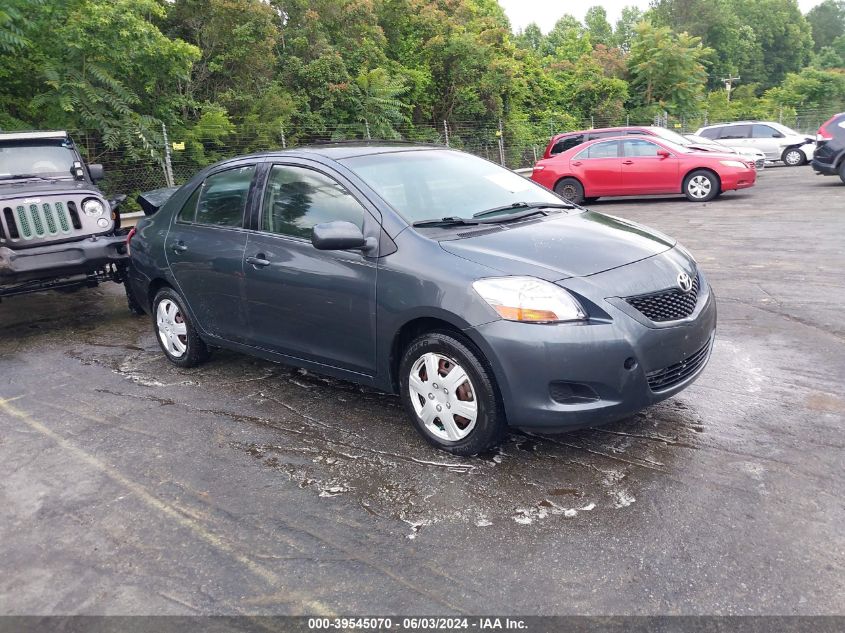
x=776 y=141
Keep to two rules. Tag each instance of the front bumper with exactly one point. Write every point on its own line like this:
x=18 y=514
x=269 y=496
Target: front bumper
x=621 y=361
x=738 y=179
x=61 y=260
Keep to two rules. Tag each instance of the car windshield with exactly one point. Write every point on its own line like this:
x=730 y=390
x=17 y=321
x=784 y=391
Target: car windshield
x=669 y=135
x=700 y=140
x=43 y=158
x=430 y=184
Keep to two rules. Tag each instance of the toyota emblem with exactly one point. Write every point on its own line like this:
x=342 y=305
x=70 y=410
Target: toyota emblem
x=684 y=282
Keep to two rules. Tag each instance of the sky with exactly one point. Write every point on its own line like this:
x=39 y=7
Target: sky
x=546 y=12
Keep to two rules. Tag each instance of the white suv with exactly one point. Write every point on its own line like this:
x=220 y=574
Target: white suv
x=776 y=141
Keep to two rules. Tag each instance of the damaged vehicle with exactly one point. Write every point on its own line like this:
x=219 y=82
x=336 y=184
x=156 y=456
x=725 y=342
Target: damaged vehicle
x=57 y=230
x=485 y=300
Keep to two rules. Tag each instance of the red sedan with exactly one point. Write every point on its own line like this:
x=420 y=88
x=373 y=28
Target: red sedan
x=626 y=166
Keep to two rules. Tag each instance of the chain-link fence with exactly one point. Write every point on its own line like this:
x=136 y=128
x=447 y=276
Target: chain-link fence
x=515 y=144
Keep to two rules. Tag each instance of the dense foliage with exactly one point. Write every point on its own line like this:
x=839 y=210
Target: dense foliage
x=263 y=69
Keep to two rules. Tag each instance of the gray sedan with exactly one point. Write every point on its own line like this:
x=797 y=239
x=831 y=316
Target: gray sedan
x=481 y=297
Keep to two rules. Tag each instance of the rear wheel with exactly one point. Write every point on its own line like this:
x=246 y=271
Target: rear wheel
x=842 y=171
x=175 y=333
x=701 y=186
x=570 y=189
x=449 y=393
x=132 y=303
x=793 y=157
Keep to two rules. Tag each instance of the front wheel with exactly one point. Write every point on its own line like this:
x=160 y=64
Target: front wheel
x=793 y=157
x=175 y=333
x=449 y=393
x=570 y=189
x=701 y=186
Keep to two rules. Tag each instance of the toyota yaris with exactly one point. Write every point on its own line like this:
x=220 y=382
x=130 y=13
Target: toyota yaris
x=482 y=298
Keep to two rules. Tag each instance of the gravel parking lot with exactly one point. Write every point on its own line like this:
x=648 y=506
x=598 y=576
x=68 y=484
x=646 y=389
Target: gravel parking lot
x=130 y=486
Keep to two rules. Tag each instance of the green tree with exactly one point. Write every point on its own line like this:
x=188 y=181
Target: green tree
x=827 y=21
x=666 y=69
x=623 y=35
x=598 y=27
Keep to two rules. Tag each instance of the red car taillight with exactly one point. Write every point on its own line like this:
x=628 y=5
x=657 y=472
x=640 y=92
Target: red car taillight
x=824 y=134
x=129 y=239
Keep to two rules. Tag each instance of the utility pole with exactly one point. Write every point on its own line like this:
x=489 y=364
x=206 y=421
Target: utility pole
x=729 y=84
x=446 y=132
x=168 y=168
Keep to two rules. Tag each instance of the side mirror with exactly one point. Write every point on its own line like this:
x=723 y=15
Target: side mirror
x=663 y=153
x=337 y=236
x=96 y=172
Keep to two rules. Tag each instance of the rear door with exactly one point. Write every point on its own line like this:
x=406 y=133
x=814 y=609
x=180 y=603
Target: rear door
x=205 y=247
x=646 y=172
x=599 y=168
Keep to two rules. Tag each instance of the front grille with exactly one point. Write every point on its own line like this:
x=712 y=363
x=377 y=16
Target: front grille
x=666 y=378
x=36 y=221
x=667 y=305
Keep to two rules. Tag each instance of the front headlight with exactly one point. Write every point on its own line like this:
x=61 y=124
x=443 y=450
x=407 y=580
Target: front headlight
x=734 y=163
x=529 y=299
x=92 y=206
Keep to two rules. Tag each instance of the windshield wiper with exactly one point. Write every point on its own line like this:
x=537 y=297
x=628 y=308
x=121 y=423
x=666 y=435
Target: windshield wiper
x=450 y=221
x=522 y=205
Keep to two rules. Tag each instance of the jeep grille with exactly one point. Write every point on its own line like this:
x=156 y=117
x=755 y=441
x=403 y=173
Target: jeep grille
x=42 y=221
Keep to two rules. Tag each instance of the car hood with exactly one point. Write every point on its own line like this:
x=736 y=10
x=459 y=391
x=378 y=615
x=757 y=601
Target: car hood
x=35 y=188
x=576 y=244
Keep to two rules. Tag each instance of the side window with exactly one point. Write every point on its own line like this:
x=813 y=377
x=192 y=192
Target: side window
x=297 y=198
x=639 y=147
x=711 y=133
x=736 y=131
x=188 y=212
x=223 y=197
x=609 y=149
x=566 y=143
x=763 y=131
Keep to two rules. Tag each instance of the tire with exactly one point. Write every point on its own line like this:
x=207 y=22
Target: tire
x=793 y=157
x=442 y=353
x=135 y=308
x=182 y=346
x=842 y=171
x=701 y=185
x=571 y=190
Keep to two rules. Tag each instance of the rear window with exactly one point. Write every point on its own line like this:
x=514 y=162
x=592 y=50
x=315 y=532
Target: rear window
x=565 y=143
x=608 y=149
x=735 y=131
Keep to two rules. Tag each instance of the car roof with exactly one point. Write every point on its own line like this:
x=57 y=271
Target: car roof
x=340 y=151
x=605 y=129
x=707 y=127
x=33 y=135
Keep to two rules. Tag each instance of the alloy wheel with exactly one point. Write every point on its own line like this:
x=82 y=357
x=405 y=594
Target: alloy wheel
x=171 y=327
x=443 y=396
x=699 y=187
x=793 y=157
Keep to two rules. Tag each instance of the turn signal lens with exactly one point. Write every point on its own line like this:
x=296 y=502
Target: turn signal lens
x=529 y=300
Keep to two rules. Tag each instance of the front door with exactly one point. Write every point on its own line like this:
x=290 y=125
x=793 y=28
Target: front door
x=205 y=247
x=302 y=302
x=644 y=171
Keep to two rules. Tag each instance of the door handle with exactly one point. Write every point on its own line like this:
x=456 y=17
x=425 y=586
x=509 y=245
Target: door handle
x=627 y=162
x=179 y=247
x=577 y=163
x=258 y=261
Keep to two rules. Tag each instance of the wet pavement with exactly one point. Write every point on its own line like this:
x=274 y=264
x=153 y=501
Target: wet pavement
x=130 y=486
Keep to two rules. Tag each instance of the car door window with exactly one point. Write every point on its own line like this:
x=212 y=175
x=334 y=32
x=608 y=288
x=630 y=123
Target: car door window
x=297 y=198
x=223 y=196
x=608 y=149
x=567 y=143
x=638 y=148
x=736 y=132
x=188 y=212
x=764 y=131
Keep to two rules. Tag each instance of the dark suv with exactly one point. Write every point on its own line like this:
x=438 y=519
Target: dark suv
x=57 y=230
x=830 y=148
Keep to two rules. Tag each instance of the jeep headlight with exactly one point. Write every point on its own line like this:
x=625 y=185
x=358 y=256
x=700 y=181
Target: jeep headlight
x=529 y=299
x=92 y=207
